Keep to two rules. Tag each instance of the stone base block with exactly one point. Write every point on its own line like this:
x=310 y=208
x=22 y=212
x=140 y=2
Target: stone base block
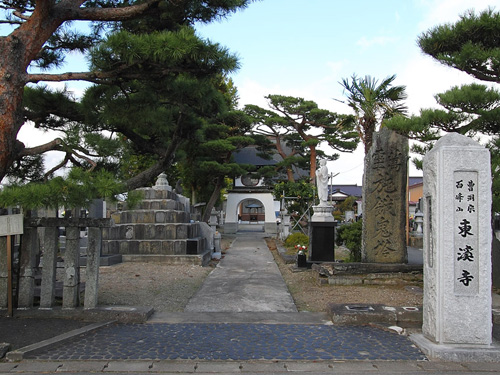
x=195 y=246
x=230 y=228
x=457 y=353
x=322 y=242
x=416 y=241
x=361 y=314
x=271 y=228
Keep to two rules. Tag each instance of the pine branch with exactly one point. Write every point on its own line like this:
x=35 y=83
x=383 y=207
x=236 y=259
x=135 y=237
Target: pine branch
x=102 y=77
x=73 y=12
x=54 y=145
x=58 y=166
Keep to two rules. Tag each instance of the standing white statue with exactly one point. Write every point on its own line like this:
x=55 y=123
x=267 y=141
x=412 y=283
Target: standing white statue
x=322 y=182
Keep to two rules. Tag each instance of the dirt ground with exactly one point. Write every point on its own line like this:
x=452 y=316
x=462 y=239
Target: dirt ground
x=310 y=296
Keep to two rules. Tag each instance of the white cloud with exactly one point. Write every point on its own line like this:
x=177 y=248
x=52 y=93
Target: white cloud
x=448 y=11
x=424 y=78
x=377 y=41
x=336 y=67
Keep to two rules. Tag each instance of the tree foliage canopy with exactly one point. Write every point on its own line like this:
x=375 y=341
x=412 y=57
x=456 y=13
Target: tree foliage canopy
x=470 y=45
x=302 y=127
x=155 y=82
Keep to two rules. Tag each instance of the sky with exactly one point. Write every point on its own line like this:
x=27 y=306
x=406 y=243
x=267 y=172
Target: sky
x=304 y=48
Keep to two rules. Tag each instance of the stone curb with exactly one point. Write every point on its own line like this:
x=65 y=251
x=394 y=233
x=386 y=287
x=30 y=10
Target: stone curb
x=122 y=314
x=255 y=317
x=287 y=259
x=18 y=355
x=237 y=367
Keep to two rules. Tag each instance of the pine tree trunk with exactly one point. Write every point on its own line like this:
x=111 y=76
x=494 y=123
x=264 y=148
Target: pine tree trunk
x=16 y=53
x=11 y=119
x=213 y=199
x=312 y=171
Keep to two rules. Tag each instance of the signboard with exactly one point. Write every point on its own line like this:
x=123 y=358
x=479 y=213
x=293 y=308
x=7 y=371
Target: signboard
x=11 y=225
x=466 y=233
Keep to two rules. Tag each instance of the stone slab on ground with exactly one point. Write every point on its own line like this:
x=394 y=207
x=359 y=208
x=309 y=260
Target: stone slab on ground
x=4 y=348
x=361 y=314
x=458 y=352
x=19 y=354
x=262 y=317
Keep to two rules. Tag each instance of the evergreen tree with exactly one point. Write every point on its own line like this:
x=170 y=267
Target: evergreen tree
x=303 y=127
x=40 y=37
x=209 y=161
x=470 y=45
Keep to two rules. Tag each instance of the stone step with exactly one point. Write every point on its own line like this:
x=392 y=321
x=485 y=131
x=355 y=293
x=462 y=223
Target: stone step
x=149 y=193
x=160 y=204
x=148 y=216
x=199 y=259
x=190 y=246
x=164 y=231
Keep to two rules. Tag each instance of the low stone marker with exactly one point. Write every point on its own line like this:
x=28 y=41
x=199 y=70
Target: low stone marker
x=457 y=316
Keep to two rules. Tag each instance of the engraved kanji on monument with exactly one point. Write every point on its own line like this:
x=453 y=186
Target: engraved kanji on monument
x=457 y=251
x=384 y=199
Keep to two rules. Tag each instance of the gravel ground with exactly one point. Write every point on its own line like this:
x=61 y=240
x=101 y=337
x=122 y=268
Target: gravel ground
x=168 y=288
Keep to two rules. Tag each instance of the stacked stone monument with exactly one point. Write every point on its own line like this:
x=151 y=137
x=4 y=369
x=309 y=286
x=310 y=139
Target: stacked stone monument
x=159 y=230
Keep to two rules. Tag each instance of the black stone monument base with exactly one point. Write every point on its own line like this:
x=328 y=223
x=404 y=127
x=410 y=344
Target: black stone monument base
x=322 y=241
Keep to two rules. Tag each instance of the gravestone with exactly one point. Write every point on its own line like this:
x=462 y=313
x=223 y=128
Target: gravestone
x=457 y=315
x=384 y=199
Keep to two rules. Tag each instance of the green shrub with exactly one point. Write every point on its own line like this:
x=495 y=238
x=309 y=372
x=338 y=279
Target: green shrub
x=297 y=238
x=350 y=234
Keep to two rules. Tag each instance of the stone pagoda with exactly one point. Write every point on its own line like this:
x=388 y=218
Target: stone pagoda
x=159 y=230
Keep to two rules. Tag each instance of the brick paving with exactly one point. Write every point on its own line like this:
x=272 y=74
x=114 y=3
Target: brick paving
x=235 y=341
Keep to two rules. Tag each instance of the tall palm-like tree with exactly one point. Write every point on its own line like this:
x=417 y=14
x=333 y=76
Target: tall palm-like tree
x=373 y=103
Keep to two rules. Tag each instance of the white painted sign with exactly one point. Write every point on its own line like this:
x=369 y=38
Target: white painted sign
x=466 y=233
x=11 y=225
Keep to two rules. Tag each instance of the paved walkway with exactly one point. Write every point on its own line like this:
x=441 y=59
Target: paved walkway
x=243 y=312
x=246 y=279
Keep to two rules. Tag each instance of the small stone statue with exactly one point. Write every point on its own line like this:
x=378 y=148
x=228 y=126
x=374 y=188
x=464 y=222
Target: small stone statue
x=162 y=183
x=322 y=182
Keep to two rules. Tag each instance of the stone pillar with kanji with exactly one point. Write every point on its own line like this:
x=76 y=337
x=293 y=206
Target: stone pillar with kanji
x=457 y=315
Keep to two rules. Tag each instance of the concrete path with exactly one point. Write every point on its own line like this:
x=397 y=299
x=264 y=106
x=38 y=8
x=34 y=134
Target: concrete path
x=247 y=279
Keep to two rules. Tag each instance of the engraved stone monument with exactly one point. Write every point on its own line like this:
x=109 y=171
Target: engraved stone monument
x=457 y=316
x=384 y=199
